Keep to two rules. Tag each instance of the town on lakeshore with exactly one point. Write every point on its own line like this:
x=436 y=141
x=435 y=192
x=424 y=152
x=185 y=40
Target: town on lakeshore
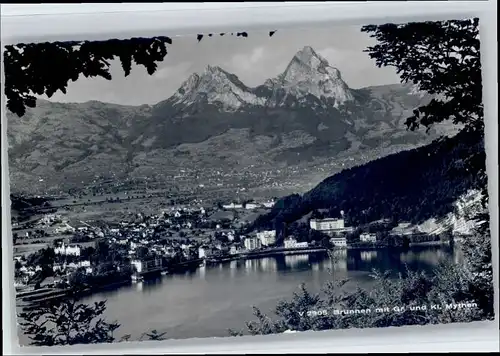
x=99 y=255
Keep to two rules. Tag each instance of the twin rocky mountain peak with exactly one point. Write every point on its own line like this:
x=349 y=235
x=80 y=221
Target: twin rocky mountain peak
x=307 y=74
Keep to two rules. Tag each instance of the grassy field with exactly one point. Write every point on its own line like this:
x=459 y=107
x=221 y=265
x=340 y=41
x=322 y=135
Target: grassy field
x=24 y=250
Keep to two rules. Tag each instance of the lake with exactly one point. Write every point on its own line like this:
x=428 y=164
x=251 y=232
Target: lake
x=207 y=301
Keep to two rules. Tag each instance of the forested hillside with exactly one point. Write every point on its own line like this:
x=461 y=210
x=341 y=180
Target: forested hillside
x=409 y=186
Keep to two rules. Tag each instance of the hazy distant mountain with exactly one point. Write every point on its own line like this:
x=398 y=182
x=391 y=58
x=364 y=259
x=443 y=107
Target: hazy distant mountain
x=306 y=114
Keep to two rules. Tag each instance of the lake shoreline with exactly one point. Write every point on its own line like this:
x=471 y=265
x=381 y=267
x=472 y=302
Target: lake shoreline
x=207 y=301
x=26 y=301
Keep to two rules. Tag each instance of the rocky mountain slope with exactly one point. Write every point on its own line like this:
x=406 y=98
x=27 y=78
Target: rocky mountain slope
x=307 y=115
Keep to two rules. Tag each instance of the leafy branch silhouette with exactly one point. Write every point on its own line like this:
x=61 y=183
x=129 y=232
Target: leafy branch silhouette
x=443 y=59
x=45 y=68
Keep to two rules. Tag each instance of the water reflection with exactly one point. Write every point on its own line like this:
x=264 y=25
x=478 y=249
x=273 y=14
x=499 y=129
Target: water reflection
x=297 y=261
x=344 y=261
x=337 y=264
x=250 y=265
x=266 y=265
x=367 y=256
x=207 y=301
x=430 y=257
x=233 y=265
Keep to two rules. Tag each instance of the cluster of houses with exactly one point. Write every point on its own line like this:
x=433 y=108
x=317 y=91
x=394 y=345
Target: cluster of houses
x=61 y=269
x=161 y=235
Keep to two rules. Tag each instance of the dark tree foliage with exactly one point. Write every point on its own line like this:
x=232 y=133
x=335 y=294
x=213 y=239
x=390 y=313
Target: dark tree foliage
x=102 y=251
x=102 y=277
x=67 y=323
x=44 y=257
x=153 y=335
x=45 y=68
x=19 y=202
x=443 y=59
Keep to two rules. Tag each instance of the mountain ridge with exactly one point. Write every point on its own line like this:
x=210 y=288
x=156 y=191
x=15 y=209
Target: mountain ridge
x=277 y=126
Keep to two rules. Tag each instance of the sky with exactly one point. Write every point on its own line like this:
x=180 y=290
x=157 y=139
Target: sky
x=253 y=59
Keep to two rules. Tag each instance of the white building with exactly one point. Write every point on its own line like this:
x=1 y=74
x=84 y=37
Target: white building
x=233 y=206
x=144 y=266
x=330 y=226
x=339 y=241
x=268 y=204
x=291 y=242
x=252 y=206
x=267 y=237
x=57 y=267
x=205 y=251
x=168 y=251
x=72 y=250
x=234 y=250
x=368 y=237
x=85 y=263
x=252 y=243
x=327 y=224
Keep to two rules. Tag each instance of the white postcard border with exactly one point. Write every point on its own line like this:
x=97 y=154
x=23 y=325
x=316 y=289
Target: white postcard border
x=28 y=23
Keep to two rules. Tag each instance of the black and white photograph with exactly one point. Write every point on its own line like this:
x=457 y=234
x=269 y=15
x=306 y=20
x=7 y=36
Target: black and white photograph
x=248 y=183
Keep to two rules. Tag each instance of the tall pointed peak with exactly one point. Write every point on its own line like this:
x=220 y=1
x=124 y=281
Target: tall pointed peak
x=213 y=69
x=306 y=53
x=308 y=73
x=309 y=57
